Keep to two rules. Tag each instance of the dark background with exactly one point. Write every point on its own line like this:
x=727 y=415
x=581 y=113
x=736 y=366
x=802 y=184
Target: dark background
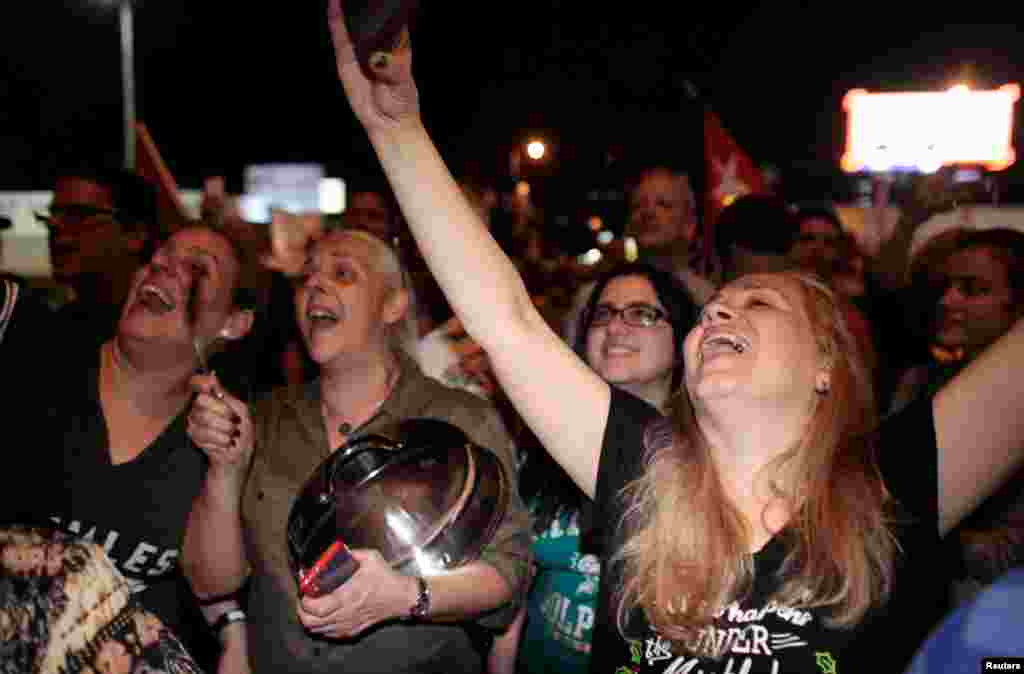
x=225 y=84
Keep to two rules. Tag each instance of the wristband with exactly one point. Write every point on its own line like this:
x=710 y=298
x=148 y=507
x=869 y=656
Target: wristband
x=233 y=616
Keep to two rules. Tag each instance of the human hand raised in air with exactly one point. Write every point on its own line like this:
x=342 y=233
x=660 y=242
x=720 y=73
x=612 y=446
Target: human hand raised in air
x=383 y=94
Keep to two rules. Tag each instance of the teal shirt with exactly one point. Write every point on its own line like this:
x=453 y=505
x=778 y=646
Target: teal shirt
x=562 y=603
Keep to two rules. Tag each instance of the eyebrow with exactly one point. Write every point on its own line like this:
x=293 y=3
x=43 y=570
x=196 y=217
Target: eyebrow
x=629 y=305
x=749 y=287
x=203 y=253
x=334 y=255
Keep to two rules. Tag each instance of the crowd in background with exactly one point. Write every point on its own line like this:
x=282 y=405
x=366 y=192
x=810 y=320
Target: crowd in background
x=105 y=387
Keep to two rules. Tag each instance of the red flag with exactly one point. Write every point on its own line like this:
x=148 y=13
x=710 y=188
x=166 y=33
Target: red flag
x=730 y=173
x=150 y=165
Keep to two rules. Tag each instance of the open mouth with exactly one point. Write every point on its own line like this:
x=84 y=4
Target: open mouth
x=155 y=299
x=724 y=343
x=319 y=317
x=619 y=350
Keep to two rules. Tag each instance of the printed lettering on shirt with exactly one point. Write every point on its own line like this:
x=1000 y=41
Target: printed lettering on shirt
x=744 y=639
x=657 y=649
x=735 y=614
x=586 y=563
x=568 y=622
x=588 y=587
x=164 y=564
x=826 y=663
x=142 y=555
x=144 y=560
x=560 y=527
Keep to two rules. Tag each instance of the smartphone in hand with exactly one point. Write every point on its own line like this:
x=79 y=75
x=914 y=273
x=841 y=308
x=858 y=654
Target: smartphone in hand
x=330 y=571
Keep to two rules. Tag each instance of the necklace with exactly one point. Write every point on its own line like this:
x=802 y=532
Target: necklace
x=346 y=427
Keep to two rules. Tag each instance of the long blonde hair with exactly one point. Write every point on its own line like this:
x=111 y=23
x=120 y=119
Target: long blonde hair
x=686 y=555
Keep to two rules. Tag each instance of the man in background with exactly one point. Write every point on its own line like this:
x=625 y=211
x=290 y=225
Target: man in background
x=102 y=225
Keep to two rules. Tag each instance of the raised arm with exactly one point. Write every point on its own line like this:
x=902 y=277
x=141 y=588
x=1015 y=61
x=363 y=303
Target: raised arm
x=979 y=426
x=560 y=398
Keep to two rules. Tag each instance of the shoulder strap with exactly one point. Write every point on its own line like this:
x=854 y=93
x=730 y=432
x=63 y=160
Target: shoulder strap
x=10 y=297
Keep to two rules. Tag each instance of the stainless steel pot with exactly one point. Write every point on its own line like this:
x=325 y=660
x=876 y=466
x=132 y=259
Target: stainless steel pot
x=420 y=492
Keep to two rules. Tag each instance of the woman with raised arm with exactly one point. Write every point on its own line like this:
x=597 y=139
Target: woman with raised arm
x=765 y=527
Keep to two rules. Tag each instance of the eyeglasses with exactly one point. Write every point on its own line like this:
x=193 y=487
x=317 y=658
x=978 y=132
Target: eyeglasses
x=74 y=216
x=635 y=315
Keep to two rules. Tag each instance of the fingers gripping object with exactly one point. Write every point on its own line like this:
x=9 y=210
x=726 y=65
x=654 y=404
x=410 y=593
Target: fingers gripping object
x=375 y=25
x=419 y=492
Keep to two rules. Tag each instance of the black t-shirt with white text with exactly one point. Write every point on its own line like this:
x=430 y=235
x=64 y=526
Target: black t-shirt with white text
x=136 y=511
x=759 y=635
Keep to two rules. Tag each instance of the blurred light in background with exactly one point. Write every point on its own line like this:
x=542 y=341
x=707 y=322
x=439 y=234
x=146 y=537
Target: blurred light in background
x=924 y=131
x=591 y=257
x=332 y=196
x=632 y=251
x=536 y=150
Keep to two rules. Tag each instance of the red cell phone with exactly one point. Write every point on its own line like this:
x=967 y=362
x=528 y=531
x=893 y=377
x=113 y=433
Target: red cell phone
x=330 y=571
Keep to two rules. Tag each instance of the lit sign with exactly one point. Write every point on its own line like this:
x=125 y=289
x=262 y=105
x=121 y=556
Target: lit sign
x=295 y=188
x=926 y=131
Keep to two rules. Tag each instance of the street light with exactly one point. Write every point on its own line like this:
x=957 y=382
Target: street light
x=128 y=81
x=125 y=20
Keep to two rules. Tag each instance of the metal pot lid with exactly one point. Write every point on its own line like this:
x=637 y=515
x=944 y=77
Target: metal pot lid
x=419 y=491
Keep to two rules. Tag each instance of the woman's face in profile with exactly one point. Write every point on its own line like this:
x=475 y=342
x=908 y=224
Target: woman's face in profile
x=754 y=340
x=185 y=290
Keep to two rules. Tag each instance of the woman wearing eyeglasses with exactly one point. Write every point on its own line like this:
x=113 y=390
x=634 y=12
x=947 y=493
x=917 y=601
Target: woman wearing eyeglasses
x=632 y=329
x=630 y=332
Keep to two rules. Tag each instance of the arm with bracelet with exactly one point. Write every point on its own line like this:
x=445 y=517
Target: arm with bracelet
x=226 y=621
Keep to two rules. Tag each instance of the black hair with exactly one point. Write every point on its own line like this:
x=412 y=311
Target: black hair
x=1007 y=245
x=682 y=310
x=543 y=484
x=760 y=223
x=135 y=202
x=98 y=172
x=134 y=198
x=820 y=211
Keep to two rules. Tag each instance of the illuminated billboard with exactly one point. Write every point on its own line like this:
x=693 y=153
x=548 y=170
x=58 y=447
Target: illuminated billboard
x=924 y=131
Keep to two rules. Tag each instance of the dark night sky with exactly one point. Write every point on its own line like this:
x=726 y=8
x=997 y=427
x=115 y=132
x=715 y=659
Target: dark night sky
x=221 y=85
